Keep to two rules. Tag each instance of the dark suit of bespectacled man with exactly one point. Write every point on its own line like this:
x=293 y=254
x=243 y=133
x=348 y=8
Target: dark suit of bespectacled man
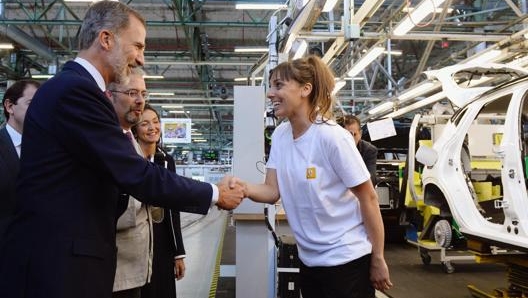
x=15 y=102
x=76 y=162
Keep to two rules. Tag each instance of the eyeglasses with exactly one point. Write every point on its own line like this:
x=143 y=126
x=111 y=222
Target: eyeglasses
x=134 y=93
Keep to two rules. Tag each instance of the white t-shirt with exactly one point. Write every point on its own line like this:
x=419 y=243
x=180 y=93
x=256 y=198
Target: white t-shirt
x=314 y=174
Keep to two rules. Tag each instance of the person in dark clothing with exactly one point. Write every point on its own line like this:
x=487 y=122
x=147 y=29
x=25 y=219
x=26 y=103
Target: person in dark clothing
x=368 y=152
x=15 y=102
x=169 y=252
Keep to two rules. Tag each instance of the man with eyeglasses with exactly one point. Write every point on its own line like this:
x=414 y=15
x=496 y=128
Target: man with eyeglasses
x=134 y=226
x=368 y=152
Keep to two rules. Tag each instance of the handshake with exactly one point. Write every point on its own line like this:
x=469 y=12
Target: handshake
x=231 y=192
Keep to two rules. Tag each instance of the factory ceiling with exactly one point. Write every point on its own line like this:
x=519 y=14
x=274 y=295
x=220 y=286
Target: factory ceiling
x=191 y=44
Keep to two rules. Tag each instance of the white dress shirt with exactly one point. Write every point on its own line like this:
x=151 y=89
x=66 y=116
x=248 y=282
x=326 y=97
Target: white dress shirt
x=16 y=138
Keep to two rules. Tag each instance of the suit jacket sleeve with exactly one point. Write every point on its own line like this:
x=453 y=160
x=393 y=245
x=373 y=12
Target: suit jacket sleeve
x=91 y=131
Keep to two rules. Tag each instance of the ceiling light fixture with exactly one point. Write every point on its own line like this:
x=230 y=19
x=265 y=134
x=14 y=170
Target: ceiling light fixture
x=415 y=91
x=437 y=10
x=329 y=5
x=41 y=76
x=484 y=57
x=421 y=11
x=6 y=46
x=161 y=94
x=417 y=105
x=300 y=47
x=393 y=52
x=251 y=49
x=153 y=77
x=379 y=108
x=339 y=84
x=367 y=9
x=261 y=6
x=172 y=107
x=365 y=60
x=245 y=79
x=86 y=0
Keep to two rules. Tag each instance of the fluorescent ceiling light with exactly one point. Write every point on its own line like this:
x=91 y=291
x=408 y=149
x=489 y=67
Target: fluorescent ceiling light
x=300 y=48
x=172 y=107
x=146 y=77
x=437 y=10
x=251 y=49
x=6 y=46
x=365 y=60
x=244 y=79
x=488 y=56
x=329 y=5
x=338 y=86
x=393 y=52
x=421 y=11
x=384 y=106
x=177 y=112
x=367 y=9
x=199 y=140
x=418 y=105
x=415 y=91
x=354 y=78
x=161 y=93
x=41 y=76
x=261 y=6
x=86 y=0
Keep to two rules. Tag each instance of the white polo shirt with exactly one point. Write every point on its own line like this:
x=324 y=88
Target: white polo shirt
x=314 y=174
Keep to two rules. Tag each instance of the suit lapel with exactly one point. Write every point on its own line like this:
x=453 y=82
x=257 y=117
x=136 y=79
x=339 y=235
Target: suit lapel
x=8 y=151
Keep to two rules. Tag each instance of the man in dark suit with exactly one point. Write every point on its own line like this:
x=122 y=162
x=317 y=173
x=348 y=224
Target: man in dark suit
x=15 y=102
x=368 y=152
x=75 y=163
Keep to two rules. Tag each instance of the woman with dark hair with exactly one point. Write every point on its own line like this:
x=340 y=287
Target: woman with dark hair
x=169 y=252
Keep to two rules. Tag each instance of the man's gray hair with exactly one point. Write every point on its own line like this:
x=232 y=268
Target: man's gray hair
x=135 y=71
x=105 y=15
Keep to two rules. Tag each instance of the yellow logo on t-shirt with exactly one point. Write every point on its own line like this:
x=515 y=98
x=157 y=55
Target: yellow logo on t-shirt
x=310 y=173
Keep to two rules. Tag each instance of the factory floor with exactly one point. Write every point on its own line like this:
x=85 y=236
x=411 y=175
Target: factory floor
x=411 y=278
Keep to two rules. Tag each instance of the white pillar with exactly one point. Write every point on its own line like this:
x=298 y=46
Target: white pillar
x=255 y=251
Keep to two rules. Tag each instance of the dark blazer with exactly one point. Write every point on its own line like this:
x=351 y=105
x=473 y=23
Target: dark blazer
x=369 y=153
x=75 y=163
x=175 y=216
x=9 y=167
x=168 y=243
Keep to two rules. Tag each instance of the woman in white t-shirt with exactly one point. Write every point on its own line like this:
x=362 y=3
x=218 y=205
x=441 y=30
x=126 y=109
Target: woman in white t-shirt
x=331 y=204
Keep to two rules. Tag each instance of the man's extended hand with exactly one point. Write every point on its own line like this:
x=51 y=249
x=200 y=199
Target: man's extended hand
x=229 y=197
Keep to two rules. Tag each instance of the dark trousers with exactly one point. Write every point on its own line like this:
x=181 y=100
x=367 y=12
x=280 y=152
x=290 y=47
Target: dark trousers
x=130 y=293
x=350 y=280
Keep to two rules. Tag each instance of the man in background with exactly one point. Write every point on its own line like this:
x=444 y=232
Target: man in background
x=368 y=152
x=15 y=102
x=134 y=226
